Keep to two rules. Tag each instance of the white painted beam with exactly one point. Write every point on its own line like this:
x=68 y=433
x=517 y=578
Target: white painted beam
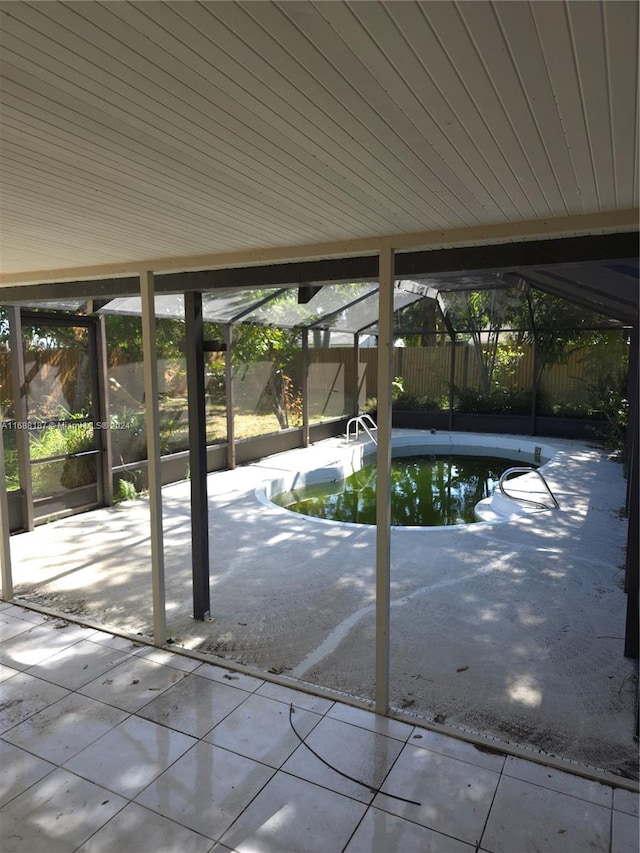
x=383 y=489
x=536 y=229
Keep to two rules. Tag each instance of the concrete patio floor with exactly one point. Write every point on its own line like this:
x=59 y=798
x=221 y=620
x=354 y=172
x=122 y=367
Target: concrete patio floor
x=511 y=630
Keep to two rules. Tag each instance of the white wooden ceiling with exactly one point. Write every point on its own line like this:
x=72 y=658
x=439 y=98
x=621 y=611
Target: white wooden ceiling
x=154 y=130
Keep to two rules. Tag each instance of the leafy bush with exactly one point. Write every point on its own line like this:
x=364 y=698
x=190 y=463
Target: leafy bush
x=472 y=401
x=126 y=491
x=406 y=402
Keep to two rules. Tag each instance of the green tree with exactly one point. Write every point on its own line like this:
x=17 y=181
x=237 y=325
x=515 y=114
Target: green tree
x=482 y=316
x=279 y=347
x=124 y=338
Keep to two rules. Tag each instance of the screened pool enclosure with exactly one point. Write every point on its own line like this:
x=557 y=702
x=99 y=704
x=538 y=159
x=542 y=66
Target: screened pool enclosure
x=277 y=359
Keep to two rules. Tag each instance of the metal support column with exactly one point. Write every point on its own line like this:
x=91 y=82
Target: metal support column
x=632 y=579
x=536 y=356
x=20 y=414
x=383 y=505
x=102 y=413
x=305 y=388
x=197 y=454
x=355 y=409
x=5 y=545
x=452 y=378
x=229 y=397
x=150 y=364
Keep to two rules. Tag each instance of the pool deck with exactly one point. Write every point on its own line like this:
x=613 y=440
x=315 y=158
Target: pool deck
x=509 y=630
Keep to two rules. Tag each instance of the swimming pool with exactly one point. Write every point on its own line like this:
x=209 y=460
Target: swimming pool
x=426 y=491
x=353 y=458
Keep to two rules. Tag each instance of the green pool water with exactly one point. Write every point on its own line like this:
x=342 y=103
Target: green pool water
x=426 y=491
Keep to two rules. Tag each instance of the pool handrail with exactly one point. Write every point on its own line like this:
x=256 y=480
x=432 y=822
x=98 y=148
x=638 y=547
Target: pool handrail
x=525 y=470
x=366 y=422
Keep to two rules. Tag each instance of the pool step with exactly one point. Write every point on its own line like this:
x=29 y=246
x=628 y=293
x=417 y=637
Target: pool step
x=499 y=508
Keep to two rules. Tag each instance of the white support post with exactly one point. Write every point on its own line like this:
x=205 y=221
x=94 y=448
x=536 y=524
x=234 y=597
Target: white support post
x=383 y=503
x=305 y=388
x=230 y=395
x=5 y=544
x=150 y=363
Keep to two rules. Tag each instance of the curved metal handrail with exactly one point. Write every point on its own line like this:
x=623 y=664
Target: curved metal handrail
x=366 y=422
x=526 y=470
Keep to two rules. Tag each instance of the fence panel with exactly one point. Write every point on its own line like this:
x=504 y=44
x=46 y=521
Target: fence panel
x=424 y=370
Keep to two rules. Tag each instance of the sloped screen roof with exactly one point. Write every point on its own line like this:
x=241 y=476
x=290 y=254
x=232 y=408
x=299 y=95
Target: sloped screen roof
x=340 y=307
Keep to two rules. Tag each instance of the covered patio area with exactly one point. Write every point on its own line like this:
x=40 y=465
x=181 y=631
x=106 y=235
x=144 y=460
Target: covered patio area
x=178 y=149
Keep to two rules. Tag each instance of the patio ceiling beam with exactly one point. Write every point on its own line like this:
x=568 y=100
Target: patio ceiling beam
x=514 y=234
x=103 y=282
x=150 y=366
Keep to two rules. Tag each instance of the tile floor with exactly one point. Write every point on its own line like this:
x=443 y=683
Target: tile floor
x=106 y=745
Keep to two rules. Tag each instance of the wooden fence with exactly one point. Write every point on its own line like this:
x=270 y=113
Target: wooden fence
x=427 y=371
x=424 y=371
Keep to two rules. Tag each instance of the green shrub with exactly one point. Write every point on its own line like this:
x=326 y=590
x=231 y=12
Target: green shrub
x=406 y=402
x=472 y=401
x=126 y=491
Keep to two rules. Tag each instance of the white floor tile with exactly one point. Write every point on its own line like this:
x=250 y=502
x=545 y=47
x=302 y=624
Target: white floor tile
x=373 y=722
x=122 y=644
x=229 y=676
x=454 y=796
x=130 y=756
x=531 y=819
x=223 y=793
x=37 y=644
x=293 y=816
x=456 y=748
x=23 y=695
x=318 y=704
x=7 y=671
x=11 y=626
x=381 y=832
x=626 y=801
x=206 y=789
x=63 y=729
x=557 y=780
x=361 y=754
x=137 y=830
x=56 y=815
x=194 y=705
x=625 y=833
x=181 y=662
x=78 y=664
x=260 y=729
x=20 y=770
x=32 y=616
x=132 y=684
